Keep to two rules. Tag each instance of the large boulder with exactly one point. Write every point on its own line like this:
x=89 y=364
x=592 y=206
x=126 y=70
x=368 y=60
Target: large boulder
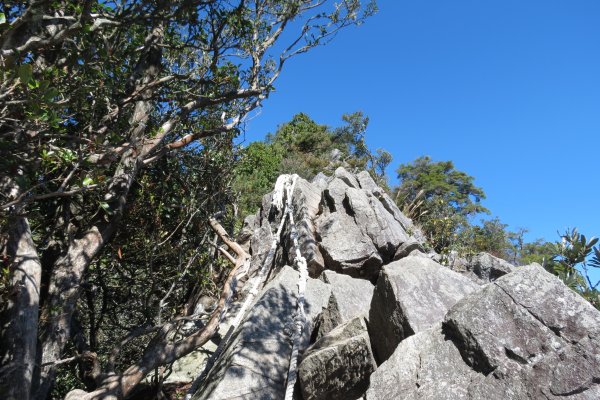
x=483 y=268
x=255 y=363
x=359 y=228
x=345 y=246
x=339 y=364
x=350 y=297
x=412 y=294
x=524 y=336
x=423 y=366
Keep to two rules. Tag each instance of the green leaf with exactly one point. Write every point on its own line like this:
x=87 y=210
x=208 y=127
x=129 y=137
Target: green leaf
x=87 y=181
x=25 y=73
x=50 y=94
x=2 y=18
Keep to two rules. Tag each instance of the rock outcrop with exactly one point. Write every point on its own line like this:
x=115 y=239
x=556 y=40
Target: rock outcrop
x=338 y=365
x=481 y=329
x=350 y=297
x=412 y=295
x=483 y=268
x=255 y=364
x=525 y=336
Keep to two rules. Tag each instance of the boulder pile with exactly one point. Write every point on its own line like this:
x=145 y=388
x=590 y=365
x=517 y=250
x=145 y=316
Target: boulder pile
x=385 y=320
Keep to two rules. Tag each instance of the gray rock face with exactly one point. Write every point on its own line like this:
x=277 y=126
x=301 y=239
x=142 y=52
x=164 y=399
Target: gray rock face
x=368 y=184
x=255 y=364
x=484 y=268
x=345 y=223
x=338 y=365
x=305 y=202
x=524 y=336
x=359 y=227
x=412 y=295
x=424 y=366
x=350 y=297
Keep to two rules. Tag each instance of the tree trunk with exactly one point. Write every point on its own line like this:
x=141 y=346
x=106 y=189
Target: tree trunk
x=69 y=272
x=19 y=333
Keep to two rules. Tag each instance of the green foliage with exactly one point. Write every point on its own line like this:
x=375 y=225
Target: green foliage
x=490 y=236
x=255 y=173
x=538 y=251
x=440 y=199
x=570 y=264
x=119 y=118
x=304 y=147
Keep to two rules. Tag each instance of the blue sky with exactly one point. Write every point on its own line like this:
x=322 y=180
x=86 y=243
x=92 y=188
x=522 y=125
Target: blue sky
x=507 y=89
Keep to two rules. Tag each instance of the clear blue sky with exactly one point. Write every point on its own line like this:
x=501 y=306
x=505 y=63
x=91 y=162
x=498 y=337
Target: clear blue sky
x=507 y=89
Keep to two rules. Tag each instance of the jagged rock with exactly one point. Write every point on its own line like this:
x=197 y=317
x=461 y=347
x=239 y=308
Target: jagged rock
x=255 y=364
x=339 y=364
x=412 y=247
x=320 y=181
x=422 y=365
x=350 y=297
x=367 y=183
x=345 y=247
x=517 y=335
x=484 y=268
x=305 y=200
x=348 y=178
x=523 y=336
x=411 y=295
x=376 y=222
x=358 y=232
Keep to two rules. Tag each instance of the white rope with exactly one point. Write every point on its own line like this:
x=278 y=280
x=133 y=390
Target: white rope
x=285 y=183
x=300 y=318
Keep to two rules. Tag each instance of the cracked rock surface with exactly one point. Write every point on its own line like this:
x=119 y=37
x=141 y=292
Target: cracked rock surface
x=412 y=295
x=479 y=329
x=524 y=336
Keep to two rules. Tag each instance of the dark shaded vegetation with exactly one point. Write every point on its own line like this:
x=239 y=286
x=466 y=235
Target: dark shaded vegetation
x=117 y=123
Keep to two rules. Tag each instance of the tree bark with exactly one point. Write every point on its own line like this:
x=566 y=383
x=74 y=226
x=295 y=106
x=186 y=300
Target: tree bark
x=69 y=272
x=19 y=336
x=160 y=351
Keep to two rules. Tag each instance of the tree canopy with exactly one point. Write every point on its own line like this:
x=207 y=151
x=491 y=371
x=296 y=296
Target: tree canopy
x=304 y=147
x=106 y=109
x=439 y=197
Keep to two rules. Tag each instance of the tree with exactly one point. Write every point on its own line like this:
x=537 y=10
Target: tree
x=439 y=197
x=570 y=264
x=94 y=95
x=490 y=236
x=304 y=147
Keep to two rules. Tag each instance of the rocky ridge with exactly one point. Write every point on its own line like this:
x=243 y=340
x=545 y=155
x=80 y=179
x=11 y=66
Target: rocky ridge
x=384 y=320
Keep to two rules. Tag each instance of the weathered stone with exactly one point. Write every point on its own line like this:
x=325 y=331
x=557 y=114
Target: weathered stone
x=350 y=297
x=367 y=183
x=482 y=268
x=411 y=295
x=347 y=177
x=424 y=363
x=245 y=236
x=530 y=323
x=255 y=364
x=188 y=368
x=523 y=336
x=411 y=247
x=376 y=222
x=320 y=180
x=305 y=201
x=345 y=247
x=338 y=365
x=357 y=233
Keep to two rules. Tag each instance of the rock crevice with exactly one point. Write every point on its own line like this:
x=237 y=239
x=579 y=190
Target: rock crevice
x=386 y=321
